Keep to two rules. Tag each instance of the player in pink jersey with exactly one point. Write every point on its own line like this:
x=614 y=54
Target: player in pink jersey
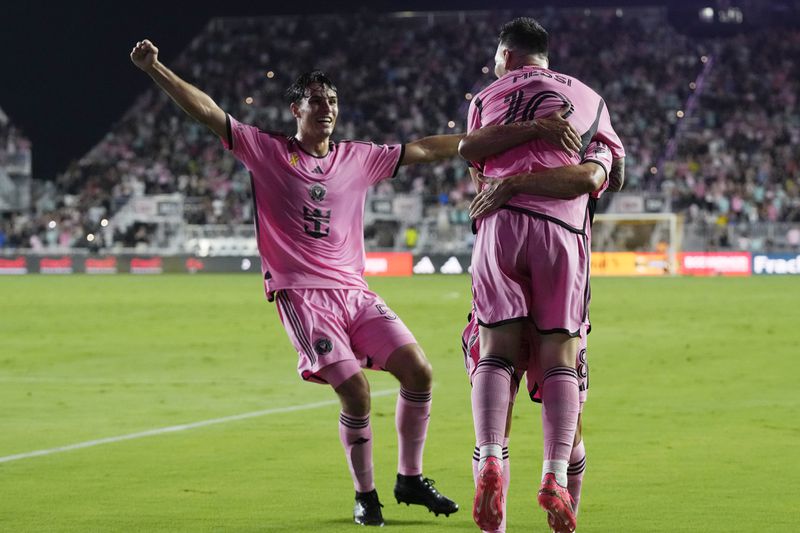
x=531 y=263
x=309 y=195
x=567 y=182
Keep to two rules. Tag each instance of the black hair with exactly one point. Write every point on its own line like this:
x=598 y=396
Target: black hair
x=525 y=34
x=297 y=90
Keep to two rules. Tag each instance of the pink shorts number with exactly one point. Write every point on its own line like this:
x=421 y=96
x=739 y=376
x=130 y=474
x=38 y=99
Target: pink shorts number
x=331 y=325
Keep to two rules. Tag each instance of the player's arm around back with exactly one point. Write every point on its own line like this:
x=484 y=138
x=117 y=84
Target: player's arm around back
x=616 y=177
x=563 y=182
x=192 y=100
x=491 y=140
x=430 y=149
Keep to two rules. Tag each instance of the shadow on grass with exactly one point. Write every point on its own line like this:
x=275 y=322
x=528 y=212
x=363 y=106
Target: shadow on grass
x=390 y=522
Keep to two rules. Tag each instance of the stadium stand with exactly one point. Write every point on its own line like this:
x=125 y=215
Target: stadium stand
x=712 y=138
x=15 y=176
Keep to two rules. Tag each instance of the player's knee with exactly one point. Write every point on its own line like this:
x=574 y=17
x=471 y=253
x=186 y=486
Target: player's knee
x=423 y=375
x=354 y=395
x=411 y=368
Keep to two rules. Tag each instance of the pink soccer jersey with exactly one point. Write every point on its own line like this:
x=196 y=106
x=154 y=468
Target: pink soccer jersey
x=309 y=211
x=533 y=92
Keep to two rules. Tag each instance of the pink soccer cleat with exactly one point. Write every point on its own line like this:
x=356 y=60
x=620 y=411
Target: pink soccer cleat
x=556 y=500
x=487 y=511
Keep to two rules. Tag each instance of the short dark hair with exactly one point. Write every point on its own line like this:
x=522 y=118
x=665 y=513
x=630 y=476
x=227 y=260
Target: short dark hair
x=297 y=90
x=525 y=33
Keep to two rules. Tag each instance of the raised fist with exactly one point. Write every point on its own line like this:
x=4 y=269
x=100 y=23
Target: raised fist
x=144 y=54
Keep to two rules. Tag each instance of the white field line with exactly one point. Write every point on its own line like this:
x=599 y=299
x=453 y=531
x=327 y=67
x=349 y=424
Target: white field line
x=117 y=382
x=181 y=427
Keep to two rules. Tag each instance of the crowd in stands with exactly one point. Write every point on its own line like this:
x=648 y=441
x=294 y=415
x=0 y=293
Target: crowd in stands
x=739 y=161
x=15 y=148
x=403 y=77
x=15 y=159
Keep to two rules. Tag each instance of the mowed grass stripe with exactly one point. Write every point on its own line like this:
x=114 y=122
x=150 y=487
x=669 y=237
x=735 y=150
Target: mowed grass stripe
x=692 y=400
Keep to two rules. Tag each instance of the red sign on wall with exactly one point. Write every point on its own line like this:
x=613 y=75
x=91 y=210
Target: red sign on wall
x=61 y=265
x=18 y=265
x=105 y=265
x=389 y=264
x=153 y=265
x=715 y=263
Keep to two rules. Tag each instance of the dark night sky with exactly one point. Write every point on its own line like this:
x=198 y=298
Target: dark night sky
x=66 y=77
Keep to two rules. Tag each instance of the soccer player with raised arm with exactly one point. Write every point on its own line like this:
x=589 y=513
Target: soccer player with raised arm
x=309 y=196
x=530 y=266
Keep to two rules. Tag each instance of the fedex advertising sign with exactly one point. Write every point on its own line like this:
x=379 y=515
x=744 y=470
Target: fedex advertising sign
x=771 y=264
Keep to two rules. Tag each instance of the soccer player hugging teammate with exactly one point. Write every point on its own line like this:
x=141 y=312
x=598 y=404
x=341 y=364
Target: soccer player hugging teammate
x=530 y=263
x=309 y=194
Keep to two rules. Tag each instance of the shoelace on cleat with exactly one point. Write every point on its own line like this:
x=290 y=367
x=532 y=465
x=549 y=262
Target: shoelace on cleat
x=429 y=483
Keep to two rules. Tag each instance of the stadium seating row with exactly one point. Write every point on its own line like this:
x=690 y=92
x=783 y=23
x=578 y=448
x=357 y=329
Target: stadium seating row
x=717 y=137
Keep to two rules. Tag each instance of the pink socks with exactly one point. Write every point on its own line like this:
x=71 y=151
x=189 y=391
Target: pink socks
x=356 y=436
x=411 y=419
x=577 y=466
x=560 y=408
x=491 y=392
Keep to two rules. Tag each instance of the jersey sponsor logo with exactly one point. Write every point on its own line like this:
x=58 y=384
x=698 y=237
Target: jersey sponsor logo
x=317 y=170
x=317 y=192
x=323 y=346
x=387 y=313
x=320 y=219
x=294 y=159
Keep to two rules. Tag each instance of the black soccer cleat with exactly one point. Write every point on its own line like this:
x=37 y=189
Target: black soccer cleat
x=367 y=511
x=420 y=491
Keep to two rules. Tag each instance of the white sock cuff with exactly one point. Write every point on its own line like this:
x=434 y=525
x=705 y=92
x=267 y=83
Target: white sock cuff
x=491 y=450
x=557 y=467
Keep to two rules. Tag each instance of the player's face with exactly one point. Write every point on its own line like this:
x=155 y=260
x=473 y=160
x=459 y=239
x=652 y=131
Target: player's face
x=500 y=60
x=317 y=111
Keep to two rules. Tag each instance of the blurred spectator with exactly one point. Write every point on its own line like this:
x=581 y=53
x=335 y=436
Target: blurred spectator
x=736 y=157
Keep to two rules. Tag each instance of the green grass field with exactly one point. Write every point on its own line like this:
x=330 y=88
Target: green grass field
x=691 y=423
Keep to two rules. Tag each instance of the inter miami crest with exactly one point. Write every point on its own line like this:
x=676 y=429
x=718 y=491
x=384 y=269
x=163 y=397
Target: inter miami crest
x=323 y=346
x=317 y=192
